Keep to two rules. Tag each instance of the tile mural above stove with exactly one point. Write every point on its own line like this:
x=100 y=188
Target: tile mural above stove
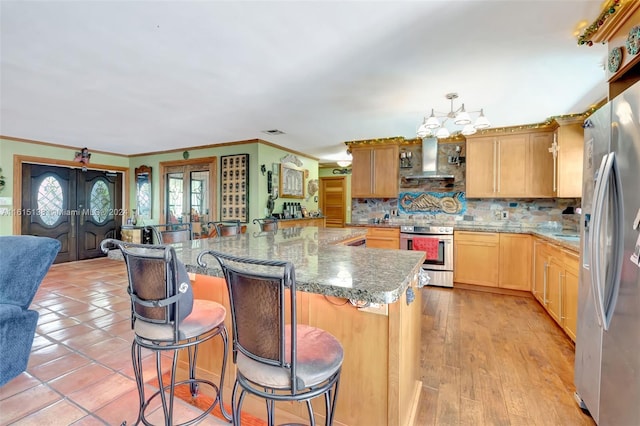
x=521 y=212
x=451 y=203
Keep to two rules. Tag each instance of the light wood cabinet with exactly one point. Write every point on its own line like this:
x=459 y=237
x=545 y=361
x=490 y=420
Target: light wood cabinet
x=570 y=294
x=383 y=238
x=299 y=223
x=569 y=146
x=510 y=165
x=540 y=264
x=555 y=283
x=540 y=173
x=515 y=262
x=476 y=258
x=492 y=260
x=374 y=171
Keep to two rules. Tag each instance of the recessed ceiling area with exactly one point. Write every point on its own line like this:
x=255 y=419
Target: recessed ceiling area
x=134 y=77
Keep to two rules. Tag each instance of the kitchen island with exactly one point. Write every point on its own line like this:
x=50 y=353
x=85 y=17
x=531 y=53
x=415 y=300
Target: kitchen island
x=380 y=382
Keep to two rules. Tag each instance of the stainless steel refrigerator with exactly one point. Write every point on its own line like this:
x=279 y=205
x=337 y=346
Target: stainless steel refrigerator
x=607 y=361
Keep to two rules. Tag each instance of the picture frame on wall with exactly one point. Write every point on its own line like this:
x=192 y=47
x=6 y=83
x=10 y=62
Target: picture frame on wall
x=291 y=181
x=234 y=187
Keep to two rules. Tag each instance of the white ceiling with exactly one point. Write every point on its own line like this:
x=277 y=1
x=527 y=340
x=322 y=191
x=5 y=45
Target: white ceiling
x=142 y=76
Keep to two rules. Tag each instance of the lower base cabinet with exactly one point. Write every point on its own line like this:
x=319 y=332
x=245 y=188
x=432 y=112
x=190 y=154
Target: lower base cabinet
x=299 y=223
x=383 y=238
x=555 y=283
x=493 y=260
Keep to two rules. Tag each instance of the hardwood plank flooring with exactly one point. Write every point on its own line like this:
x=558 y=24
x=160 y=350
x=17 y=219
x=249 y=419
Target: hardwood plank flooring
x=493 y=359
x=487 y=359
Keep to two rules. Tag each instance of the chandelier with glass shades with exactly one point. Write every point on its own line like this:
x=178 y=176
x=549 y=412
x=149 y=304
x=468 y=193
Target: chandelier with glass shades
x=434 y=125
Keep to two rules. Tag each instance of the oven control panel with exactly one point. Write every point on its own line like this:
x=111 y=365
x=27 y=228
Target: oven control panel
x=427 y=229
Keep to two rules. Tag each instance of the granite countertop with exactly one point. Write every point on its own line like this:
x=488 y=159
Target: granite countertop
x=322 y=264
x=565 y=238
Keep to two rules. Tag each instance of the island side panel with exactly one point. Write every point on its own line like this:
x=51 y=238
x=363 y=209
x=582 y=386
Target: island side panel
x=210 y=353
x=363 y=335
x=404 y=359
x=364 y=378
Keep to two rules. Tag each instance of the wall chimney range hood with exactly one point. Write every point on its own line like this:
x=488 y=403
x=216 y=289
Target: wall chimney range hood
x=429 y=161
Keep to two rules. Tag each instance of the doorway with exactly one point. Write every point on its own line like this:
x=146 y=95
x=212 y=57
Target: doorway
x=77 y=207
x=333 y=193
x=188 y=193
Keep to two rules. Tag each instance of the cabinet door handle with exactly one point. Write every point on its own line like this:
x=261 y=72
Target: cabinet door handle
x=373 y=163
x=544 y=284
x=560 y=285
x=499 y=168
x=554 y=149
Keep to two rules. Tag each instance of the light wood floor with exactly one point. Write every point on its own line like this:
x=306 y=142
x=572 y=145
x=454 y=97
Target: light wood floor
x=486 y=359
x=492 y=359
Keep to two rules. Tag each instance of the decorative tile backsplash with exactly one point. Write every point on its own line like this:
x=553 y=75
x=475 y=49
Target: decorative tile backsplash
x=432 y=202
x=525 y=212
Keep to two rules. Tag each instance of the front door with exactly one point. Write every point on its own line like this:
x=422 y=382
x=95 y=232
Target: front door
x=78 y=208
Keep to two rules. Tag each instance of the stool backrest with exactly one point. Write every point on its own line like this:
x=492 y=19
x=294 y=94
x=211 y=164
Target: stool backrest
x=167 y=233
x=227 y=228
x=154 y=284
x=262 y=296
x=268 y=224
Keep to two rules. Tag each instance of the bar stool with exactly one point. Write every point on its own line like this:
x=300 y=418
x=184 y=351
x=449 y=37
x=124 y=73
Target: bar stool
x=267 y=224
x=167 y=233
x=165 y=317
x=226 y=228
x=276 y=358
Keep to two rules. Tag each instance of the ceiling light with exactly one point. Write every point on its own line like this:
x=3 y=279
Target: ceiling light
x=459 y=117
x=344 y=163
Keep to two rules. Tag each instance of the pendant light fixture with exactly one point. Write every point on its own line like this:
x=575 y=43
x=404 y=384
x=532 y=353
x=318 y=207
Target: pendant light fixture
x=434 y=125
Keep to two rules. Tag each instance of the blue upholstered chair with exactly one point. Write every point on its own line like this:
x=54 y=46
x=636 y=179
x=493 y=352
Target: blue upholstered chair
x=24 y=261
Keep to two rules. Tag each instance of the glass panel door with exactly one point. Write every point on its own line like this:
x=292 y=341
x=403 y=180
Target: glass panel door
x=175 y=197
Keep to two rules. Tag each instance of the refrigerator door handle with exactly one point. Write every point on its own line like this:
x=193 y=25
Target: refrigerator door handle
x=618 y=241
x=609 y=180
x=594 y=239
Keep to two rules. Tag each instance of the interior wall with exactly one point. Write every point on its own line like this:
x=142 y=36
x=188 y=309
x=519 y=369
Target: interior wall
x=10 y=148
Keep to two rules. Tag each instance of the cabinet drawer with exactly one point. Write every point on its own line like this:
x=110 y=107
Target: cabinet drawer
x=383 y=238
x=477 y=237
x=383 y=232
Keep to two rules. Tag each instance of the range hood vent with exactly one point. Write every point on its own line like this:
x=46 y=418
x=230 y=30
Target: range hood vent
x=429 y=161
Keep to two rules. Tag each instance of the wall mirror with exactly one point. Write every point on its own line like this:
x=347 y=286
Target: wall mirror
x=143 y=191
x=291 y=181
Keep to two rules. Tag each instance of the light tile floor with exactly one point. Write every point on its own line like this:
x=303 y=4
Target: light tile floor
x=79 y=372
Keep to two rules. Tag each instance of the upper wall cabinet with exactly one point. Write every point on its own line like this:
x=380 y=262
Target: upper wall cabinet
x=569 y=147
x=375 y=171
x=510 y=165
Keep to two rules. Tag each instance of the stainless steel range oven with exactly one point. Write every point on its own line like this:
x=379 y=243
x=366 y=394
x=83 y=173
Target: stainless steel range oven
x=437 y=243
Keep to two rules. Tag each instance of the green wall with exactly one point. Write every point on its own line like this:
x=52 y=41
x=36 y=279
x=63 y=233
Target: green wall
x=259 y=153
x=9 y=148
